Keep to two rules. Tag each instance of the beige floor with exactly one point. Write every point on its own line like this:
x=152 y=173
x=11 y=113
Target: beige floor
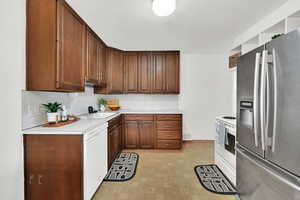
x=165 y=175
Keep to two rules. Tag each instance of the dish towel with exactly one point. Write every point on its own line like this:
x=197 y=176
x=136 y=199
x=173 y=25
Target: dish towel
x=222 y=134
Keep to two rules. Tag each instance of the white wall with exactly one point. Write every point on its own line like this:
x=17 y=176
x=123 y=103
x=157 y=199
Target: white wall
x=12 y=62
x=276 y=16
x=206 y=92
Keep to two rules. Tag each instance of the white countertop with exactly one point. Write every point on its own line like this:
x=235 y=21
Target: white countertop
x=154 y=111
x=87 y=123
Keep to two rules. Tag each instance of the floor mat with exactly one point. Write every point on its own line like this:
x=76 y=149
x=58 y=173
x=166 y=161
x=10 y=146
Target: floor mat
x=213 y=179
x=123 y=167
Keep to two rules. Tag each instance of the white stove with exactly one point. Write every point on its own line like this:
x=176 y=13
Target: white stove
x=225 y=141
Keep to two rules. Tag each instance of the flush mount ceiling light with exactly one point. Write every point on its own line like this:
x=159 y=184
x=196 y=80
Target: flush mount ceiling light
x=163 y=7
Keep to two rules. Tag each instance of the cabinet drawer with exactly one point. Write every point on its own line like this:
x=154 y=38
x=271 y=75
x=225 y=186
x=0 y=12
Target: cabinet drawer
x=169 y=135
x=169 y=144
x=139 y=117
x=169 y=117
x=168 y=125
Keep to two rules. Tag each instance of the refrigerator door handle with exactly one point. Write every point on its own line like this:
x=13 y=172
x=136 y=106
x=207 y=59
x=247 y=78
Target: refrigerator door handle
x=275 y=100
x=263 y=98
x=290 y=180
x=268 y=140
x=256 y=98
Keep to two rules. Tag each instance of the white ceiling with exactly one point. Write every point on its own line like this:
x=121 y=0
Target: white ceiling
x=197 y=26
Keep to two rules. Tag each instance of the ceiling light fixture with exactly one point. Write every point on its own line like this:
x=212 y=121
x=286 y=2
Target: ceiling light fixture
x=163 y=7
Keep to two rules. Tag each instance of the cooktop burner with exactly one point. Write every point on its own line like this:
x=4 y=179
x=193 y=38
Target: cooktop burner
x=229 y=117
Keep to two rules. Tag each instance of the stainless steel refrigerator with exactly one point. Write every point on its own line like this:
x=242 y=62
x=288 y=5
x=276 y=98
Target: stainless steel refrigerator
x=268 y=121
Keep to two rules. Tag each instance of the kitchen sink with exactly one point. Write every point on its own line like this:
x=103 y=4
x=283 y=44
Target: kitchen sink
x=101 y=115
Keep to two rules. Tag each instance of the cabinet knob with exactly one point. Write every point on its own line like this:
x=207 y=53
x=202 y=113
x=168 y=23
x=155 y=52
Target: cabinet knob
x=31 y=177
x=40 y=179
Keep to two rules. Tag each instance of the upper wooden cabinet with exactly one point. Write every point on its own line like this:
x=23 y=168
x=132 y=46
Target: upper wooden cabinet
x=92 y=69
x=165 y=72
x=115 y=71
x=159 y=72
x=131 y=67
x=151 y=72
x=101 y=64
x=63 y=54
x=172 y=72
x=56 y=47
x=144 y=72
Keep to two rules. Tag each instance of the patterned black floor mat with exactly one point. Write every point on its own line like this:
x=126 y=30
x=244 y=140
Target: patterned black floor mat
x=213 y=179
x=123 y=167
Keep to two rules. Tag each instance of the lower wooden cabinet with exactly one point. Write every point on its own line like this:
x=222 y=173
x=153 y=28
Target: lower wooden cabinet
x=169 y=131
x=152 y=131
x=131 y=136
x=139 y=132
x=114 y=139
x=53 y=167
x=146 y=134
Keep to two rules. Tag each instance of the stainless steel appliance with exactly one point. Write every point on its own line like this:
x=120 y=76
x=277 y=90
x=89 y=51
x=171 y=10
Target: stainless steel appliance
x=268 y=121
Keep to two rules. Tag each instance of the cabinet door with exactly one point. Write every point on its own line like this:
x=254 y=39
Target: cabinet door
x=92 y=58
x=172 y=72
x=159 y=73
x=115 y=72
x=131 y=134
x=109 y=149
x=144 y=70
x=71 y=49
x=52 y=162
x=101 y=63
x=116 y=142
x=131 y=72
x=146 y=134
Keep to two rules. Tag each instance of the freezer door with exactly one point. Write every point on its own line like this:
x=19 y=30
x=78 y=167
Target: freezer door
x=284 y=121
x=248 y=84
x=258 y=180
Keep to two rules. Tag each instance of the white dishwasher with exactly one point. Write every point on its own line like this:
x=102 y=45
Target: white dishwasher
x=95 y=159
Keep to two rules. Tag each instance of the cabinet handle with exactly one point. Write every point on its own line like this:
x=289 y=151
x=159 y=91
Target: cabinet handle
x=40 y=179
x=31 y=177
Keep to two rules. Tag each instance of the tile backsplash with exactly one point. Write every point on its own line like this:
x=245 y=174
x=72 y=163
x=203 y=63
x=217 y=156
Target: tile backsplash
x=33 y=114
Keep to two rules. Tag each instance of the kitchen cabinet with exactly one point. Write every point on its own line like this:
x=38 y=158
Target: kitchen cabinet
x=56 y=47
x=53 y=167
x=139 y=132
x=159 y=72
x=63 y=54
x=166 y=72
x=169 y=131
x=153 y=131
x=101 y=64
x=92 y=69
x=114 y=139
x=114 y=72
x=144 y=72
x=131 y=67
x=131 y=136
x=146 y=134
x=65 y=166
x=172 y=72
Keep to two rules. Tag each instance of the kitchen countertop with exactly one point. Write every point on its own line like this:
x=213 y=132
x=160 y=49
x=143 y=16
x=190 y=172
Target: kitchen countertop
x=87 y=123
x=154 y=111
